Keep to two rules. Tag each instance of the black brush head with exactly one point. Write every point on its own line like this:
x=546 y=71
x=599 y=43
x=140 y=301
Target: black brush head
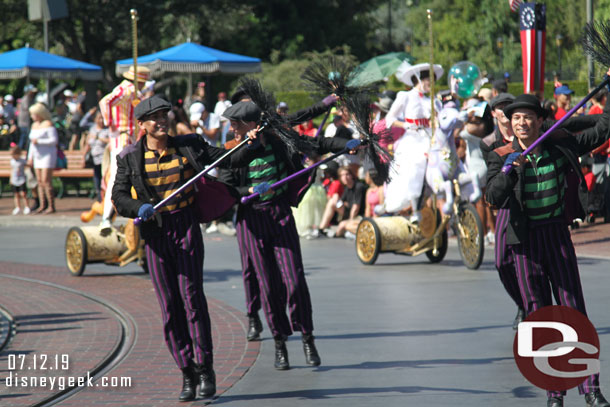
x=359 y=105
x=595 y=41
x=331 y=75
x=274 y=122
x=252 y=87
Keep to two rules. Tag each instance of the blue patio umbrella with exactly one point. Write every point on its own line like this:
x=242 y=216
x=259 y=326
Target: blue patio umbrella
x=30 y=62
x=190 y=58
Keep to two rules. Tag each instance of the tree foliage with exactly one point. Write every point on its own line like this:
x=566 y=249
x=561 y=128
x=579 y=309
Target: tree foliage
x=281 y=32
x=471 y=29
x=99 y=32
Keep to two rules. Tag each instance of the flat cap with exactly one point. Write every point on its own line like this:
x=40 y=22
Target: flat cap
x=502 y=98
x=244 y=111
x=151 y=105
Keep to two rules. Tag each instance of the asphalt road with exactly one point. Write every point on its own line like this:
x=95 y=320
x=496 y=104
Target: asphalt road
x=403 y=332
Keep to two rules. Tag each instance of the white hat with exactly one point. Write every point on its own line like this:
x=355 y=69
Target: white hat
x=68 y=93
x=406 y=71
x=9 y=98
x=196 y=110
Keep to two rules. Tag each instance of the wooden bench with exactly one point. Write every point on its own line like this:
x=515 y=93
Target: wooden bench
x=73 y=175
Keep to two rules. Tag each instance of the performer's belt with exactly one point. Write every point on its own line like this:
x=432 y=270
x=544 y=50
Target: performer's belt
x=419 y=122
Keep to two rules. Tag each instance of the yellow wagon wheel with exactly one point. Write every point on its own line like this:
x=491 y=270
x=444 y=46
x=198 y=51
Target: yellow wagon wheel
x=76 y=251
x=470 y=236
x=368 y=241
x=442 y=245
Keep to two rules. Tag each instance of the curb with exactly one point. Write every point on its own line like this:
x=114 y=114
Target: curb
x=48 y=221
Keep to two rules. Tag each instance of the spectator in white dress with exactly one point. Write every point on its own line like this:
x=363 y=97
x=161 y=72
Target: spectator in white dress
x=42 y=155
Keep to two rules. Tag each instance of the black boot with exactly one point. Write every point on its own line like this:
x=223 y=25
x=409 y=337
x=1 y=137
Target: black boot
x=519 y=318
x=255 y=327
x=311 y=353
x=555 y=402
x=596 y=399
x=281 y=353
x=189 y=384
x=207 y=380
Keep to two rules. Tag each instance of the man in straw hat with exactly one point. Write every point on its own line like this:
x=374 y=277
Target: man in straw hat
x=410 y=112
x=117 y=109
x=541 y=201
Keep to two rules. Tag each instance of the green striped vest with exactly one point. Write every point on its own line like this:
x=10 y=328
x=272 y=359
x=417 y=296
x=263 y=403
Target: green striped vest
x=267 y=169
x=544 y=186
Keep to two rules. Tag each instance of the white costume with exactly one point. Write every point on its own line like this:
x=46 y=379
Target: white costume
x=409 y=167
x=44 y=152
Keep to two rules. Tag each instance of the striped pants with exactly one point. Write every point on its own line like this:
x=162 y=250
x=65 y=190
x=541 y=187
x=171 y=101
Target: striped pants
x=504 y=259
x=175 y=261
x=548 y=256
x=268 y=238
x=253 y=294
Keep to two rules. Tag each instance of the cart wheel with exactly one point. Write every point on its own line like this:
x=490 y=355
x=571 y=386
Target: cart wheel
x=470 y=243
x=368 y=241
x=444 y=244
x=76 y=251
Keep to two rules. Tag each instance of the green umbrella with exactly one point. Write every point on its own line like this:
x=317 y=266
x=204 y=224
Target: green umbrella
x=379 y=68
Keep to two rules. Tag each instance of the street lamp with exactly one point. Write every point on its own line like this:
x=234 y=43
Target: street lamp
x=500 y=44
x=558 y=42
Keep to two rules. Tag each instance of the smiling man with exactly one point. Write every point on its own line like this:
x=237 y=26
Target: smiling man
x=540 y=197
x=156 y=166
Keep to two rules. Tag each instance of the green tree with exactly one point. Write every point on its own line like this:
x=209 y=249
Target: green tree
x=470 y=29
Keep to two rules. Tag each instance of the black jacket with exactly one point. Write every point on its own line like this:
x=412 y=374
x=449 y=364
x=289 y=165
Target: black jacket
x=297 y=188
x=306 y=114
x=506 y=191
x=131 y=172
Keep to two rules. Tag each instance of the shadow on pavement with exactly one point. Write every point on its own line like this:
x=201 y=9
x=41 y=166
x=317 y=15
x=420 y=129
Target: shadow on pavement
x=414 y=363
x=526 y=392
x=411 y=333
x=220 y=275
x=329 y=393
x=44 y=319
x=67 y=328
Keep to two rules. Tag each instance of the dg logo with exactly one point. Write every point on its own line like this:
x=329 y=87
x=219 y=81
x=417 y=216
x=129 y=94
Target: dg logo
x=556 y=348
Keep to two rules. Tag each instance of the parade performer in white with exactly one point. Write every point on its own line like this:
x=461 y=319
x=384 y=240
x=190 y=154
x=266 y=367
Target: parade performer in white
x=410 y=111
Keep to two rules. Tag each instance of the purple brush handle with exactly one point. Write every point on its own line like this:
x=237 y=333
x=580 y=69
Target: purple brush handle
x=507 y=168
x=322 y=124
x=164 y=202
x=352 y=144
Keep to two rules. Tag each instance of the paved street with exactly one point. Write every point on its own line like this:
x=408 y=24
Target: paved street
x=402 y=332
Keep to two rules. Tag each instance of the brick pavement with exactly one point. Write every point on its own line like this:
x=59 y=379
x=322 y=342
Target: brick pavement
x=52 y=322
x=70 y=323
